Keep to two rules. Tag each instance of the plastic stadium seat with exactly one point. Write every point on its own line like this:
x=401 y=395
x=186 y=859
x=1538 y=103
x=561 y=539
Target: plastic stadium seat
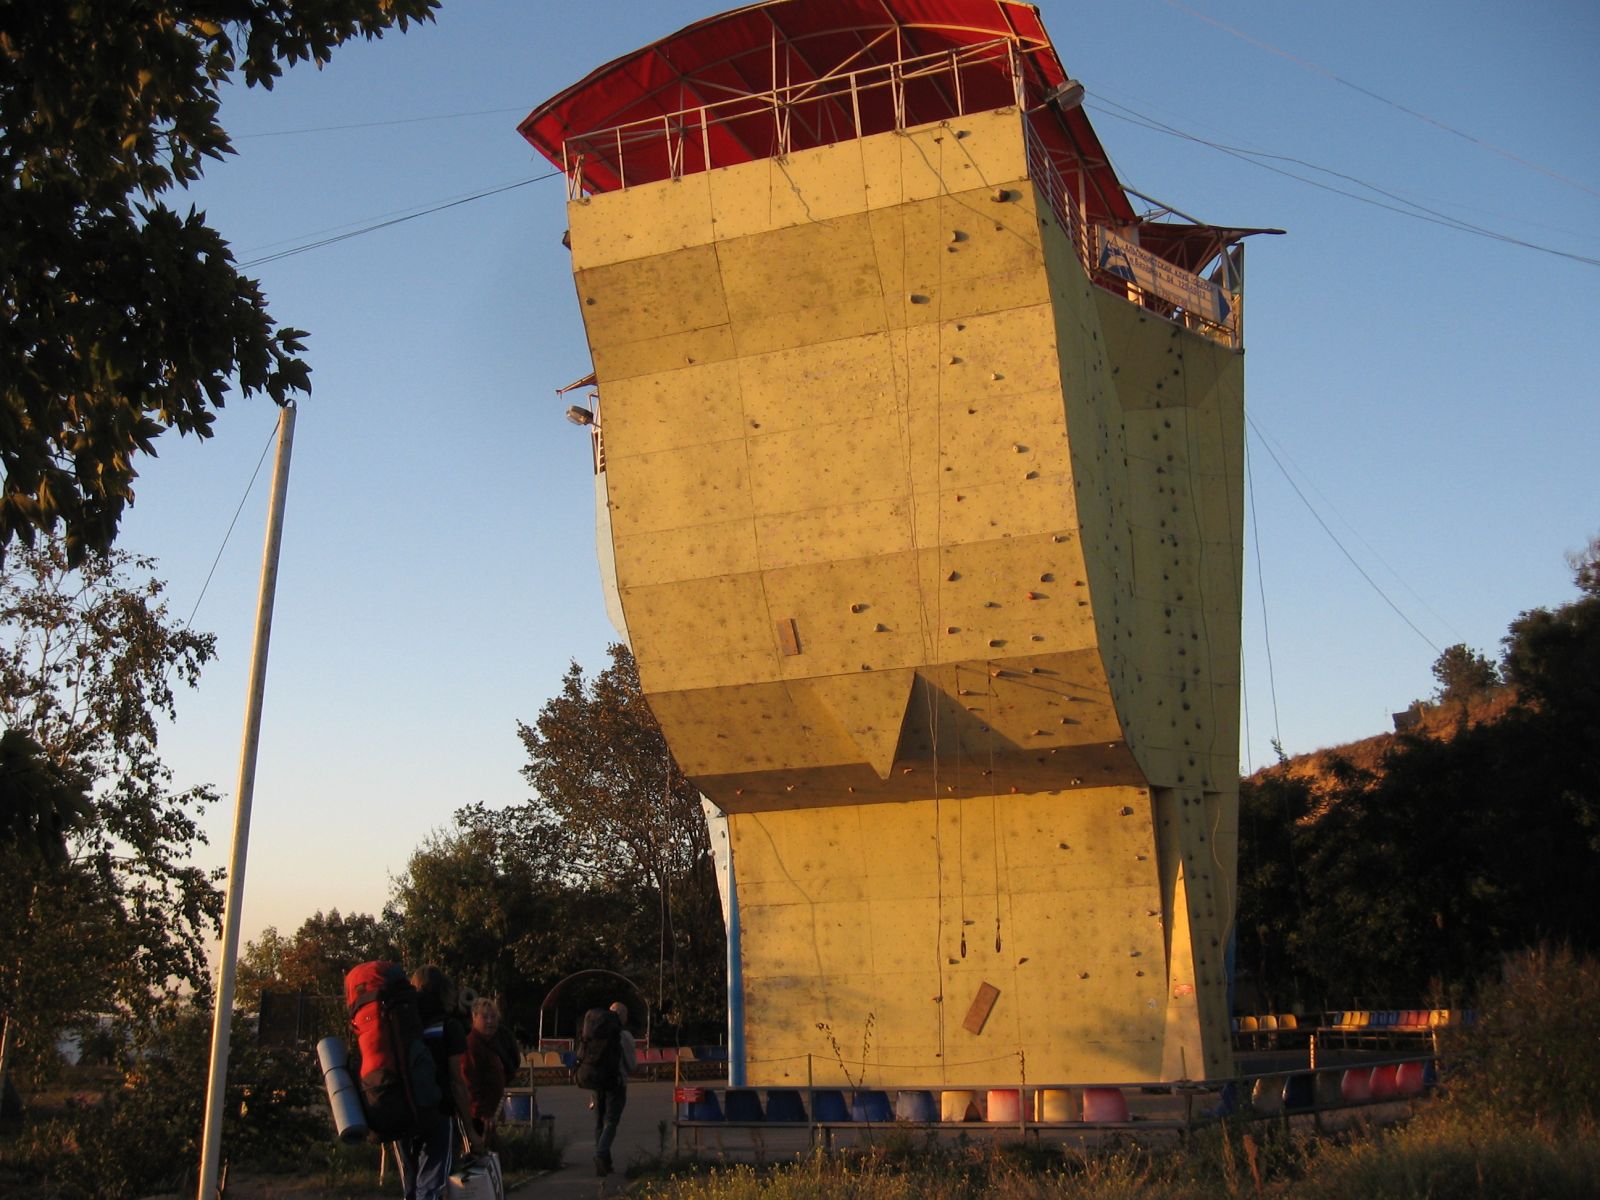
x=870 y=1105
x=917 y=1106
x=1269 y=1023
x=706 y=1108
x=827 y=1104
x=958 y=1106
x=1053 y=1104
x=785 y=1104
x=1288 y=1021
x=1005 y=1105
x=1248 y=1024
x=1383 y=1083
x=1104 y=1105
x=1410 y=1079
x=1356 y=1085
x=1299 y=1092
x=742 y=1104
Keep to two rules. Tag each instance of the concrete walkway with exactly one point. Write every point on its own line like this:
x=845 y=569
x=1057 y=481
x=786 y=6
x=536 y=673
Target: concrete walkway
x=644 y=1134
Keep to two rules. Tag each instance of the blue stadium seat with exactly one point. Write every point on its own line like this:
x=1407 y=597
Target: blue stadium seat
x=743 y=1105
x=870 y=1106
x=827 y=1104
x=785 y=1104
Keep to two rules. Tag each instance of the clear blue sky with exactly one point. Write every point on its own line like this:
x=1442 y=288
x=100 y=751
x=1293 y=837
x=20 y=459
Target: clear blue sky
x=1432 y=393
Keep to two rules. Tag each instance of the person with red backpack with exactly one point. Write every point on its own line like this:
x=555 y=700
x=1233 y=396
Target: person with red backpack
x=606 y=1058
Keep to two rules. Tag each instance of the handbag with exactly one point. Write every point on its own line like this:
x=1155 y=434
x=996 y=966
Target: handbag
x=477 y=1177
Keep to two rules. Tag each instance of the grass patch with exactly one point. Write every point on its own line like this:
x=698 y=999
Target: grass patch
x=1425 y=1160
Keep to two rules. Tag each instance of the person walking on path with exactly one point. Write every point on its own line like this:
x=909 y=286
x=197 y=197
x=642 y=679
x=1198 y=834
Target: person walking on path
x=607 y=1056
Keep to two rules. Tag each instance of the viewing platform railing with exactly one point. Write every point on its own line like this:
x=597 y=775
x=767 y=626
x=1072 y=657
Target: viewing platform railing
x=838 y=107
x=850 y=105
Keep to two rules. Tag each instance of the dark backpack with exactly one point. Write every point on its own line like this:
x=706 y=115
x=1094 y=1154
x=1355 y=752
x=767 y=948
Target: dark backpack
x=599 y=1050
x=393 y=1065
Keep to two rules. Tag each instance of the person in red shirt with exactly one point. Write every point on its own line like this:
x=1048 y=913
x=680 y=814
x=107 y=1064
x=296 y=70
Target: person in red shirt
x=483 y=1069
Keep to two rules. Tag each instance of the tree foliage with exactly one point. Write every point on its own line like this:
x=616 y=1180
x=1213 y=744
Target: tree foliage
x=120 y=317
x=1274 y=838
x=143 y=1137
x=40 y=803
x=1463 y=673
x=316 y=957
x=88 y=661
x=602 y=773
x=1419 y=874
x=490 y=902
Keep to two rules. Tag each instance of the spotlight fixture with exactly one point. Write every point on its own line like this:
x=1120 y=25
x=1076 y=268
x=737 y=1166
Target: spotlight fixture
x=1066 y=94
x=579 y=415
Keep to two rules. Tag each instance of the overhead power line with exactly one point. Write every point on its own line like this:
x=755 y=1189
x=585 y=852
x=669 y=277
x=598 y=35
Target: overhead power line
x=1316 y=516
x=482 y=112
x=1402 y=206
x=1317 y=69
x=319 y=243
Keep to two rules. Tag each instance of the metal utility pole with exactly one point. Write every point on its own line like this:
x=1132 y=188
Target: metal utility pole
x=211 y=1151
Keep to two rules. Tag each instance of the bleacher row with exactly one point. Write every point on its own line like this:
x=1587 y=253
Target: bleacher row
x=1341 y=1087
x=654 y=1062
x=1400 y=1020
x=831 y=1106
x=1098 y=1106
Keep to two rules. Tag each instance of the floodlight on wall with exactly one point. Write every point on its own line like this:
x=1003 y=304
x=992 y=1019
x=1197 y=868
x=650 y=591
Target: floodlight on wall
x=579 y=415
x=1066 y=94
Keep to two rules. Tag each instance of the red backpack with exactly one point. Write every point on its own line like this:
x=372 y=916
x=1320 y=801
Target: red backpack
x=393 y=1065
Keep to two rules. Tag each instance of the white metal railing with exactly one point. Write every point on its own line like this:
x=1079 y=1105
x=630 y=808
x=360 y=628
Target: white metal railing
x=672 y=142
x=1085 y=239
x=817 y=105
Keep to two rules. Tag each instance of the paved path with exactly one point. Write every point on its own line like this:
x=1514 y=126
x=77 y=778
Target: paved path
x=645 y=1133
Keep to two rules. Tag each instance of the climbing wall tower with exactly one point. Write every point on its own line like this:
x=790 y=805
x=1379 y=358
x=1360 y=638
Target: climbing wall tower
x=919 y=461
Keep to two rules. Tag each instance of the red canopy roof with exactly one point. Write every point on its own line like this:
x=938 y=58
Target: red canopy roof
x=686 y=101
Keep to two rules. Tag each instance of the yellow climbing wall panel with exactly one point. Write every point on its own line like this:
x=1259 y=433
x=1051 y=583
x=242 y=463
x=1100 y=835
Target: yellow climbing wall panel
x=881 y=922
x=928 y=551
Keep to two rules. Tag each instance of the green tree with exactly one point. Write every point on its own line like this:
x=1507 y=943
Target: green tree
x=1422 y=872
x=1463 y=673
x=317 y=956
x=1274 y=837
x=602 y=773
x=1552 y=657
x=120 y=317
x=40 y=803
x=88 y=661
x=1585 y=566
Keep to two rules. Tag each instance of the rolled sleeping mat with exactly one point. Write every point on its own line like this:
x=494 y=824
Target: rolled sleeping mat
x=349 y=1119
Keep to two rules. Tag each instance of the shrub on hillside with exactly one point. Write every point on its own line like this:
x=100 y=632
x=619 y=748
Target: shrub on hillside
x=1533 y=1054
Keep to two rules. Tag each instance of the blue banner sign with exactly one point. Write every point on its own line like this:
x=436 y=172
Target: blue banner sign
x=1144 y=270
